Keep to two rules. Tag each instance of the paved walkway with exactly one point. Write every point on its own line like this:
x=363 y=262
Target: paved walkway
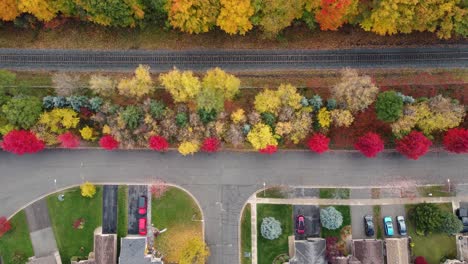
x=382 y=201
x=42 y=235
x=222 y=183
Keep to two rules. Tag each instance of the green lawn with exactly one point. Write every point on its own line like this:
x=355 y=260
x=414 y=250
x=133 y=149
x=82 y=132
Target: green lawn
x=16 y=241
x=269 y=249
x=334 y=193
x=122 y=215
x=273 y=192
x=178 y=212
x=434 y=246
x=346 y=212
x=378 y=224
x=75 y=242
x=436 y=190
x=246 y=234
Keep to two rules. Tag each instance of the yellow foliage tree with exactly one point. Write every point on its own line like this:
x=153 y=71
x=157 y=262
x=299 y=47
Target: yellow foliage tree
x=289 y=96
x=9 y=10
x=324 y=117
x=88 y=189
x=43 y=10
x=271 y=101
x=188 y=147
x=138 y=86
x=234 y=16
x=217 y=87
x=261 y=136
x=341 y=118
x=283 y=128
x=59 y=120
x=275 y=15
x=87 y=133
x=195 y=252
x=301 y=125
x=183 y=86
x=193 y=16
x=238 y=116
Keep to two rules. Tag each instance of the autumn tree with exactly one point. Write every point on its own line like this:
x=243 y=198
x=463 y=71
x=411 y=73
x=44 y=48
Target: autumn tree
x=183 y=86
x=456 y=140
x=354 y=92
x=43 y=10
x=22 y=111
x=112 y=13
x=9 y=10
x=5 y=226
x=341 y=118
x=318 y=143
x=158 y=188
x=210 y=145
x=234 y=17
x=414 y=145
x=102 y=85
x=333 y=13
x=88 y=189
x=275 y=15
x=261 y=136
x=194 y=252
x=108 y=142
x=269 y=149
x=158 y=143
x=22 y=142
x=68 y=140
x=217 y=87
x=193 y=16
x=271 y=101
x=139 y=85
x=188 y=148
x=66 y=84
x=370 y=145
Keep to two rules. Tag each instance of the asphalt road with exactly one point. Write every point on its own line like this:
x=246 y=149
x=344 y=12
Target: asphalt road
x=109 y=209
x=162 y=60
x=222 y=183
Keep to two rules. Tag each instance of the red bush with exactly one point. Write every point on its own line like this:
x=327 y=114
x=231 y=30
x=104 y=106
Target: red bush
x=210 y=144
x=318 y=143
x=420 y=260
x=456 y=140
x=332 y=250
x=68 y=140
x=370 y=144
x=270 y=149
x=158 y=143
x=414 y=145
x=108 y=142
x=22 y=141
x=5 y=225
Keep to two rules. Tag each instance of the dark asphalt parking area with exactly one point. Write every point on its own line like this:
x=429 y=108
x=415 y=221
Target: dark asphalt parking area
x=134 y=191
x=109 y=209
x=311 y=214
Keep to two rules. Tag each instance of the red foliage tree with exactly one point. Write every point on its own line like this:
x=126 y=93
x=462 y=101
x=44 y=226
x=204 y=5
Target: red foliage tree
x=22 y=141
x=414 y=145
x=5 y=225
x=370 y=144
x=68 y=140
x=158 y=143
x=158 y=188
x=420 y=260
x=108 y=142
x=270 y=149
x=456 y=140
x=332 y=249
x=318 y=143
x=211 y=144
x=332 y=14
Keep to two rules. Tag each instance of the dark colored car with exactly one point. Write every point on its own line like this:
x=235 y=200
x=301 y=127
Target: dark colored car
x=462 y=214
x=388 y=226
x=142 y=203
x=369 y=225
x=401 y=225
x=142 y=226
x=300 y=224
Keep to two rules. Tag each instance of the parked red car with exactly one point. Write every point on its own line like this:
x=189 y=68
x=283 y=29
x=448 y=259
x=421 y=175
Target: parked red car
x=142 y=204
x=142 y=226
x=300 y=224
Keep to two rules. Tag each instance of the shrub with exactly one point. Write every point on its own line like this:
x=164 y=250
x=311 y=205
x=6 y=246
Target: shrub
x=22 y=111
x=87 y=133
x=389 y=106
x=318 y=143
x=331 y=218
x=217 y=87
x=331 y=104
x=138 y=86
x=181 y=119
x=456 y=140
x=269 y=149
x=102 y=85
x=158 y=188
x=183 y=86
x=324 y=118
x=132 y=116
x=95 y=104
x=66 y=84
x=88 y=189
x=188 y=147
x=238 y=116
x=414 y=145
x=22 y=142
x=370 y=145
x=301 y=126
x=158 y=143
x=261 y=136
x=269 y=119
x=341 y=118
x=108 y=142
x=406 y=98
x=267 y=101
x=68 y=140
x=316 y=102
x=427 y=217
x=157 y=109
x=207 y=115
x=5 y=226
x=211 y=145
x=420 y=260
x=77 y=102
x=59 y=120
x=283 y=128
x=355 y=92
x=450 y=224
x=270 y=228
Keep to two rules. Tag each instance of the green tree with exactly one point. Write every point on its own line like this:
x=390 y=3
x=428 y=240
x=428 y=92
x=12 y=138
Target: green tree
x=7 y=78
x=389 y=106
x=112 y=13
x=23 y=111
x=427 y=217
x=450 y=223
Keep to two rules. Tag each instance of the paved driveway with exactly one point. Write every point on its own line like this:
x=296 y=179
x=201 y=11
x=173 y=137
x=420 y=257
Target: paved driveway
x=357 y=221
x=393 y=211
x=312 y=220
x=109 y=209
x=134 y=191
x=41 y=233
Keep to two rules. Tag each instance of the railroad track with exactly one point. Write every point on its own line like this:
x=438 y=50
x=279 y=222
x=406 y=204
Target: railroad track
x=234 y=59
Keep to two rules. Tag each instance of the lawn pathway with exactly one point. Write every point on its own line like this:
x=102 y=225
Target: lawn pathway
x=253 y=222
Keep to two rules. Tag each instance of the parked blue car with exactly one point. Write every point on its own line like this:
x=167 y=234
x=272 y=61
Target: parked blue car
x=388 y=224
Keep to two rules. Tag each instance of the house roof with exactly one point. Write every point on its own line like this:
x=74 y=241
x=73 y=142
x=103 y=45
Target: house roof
x=309 y=252
x=368 y=251
x=397 y=250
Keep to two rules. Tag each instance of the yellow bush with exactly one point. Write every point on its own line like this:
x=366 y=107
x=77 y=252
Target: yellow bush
x=289 y=96
x=267 y=101
x=238 y=116
x=341 y=118
x=324 y=117
x=87 y=133
x=301 y=125
x=138 y=86
x=106 y=129
x=261 y=136
x=188 y=147
x=59 y=120
x=283 y=128
x=88 y=189
x=183 y=86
